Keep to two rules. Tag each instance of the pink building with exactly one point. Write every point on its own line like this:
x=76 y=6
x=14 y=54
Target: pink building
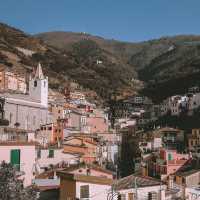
x=166 y=163
x=90 y=170
x=88 y=121
x=22 y=156
x=173 y=160
x=97 y=122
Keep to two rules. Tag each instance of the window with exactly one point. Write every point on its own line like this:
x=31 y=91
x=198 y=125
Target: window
x=50 y=128
x=11 y=116
x=39 y=153
x=84 y=191
x=15 y=158
x=152 y=195
x=44 y=83
x=183 y=180
x=51 y=153
x=122 y=197
x=130 y=196
x=35 y=83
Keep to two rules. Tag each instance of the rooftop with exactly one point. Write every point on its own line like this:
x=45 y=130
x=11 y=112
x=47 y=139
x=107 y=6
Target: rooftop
x=89 y=166
x=22 y=99
x=85 y=178
x=141 y=181
x=187 y=173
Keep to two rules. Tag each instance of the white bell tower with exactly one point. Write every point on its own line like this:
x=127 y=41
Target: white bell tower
x=38 y=87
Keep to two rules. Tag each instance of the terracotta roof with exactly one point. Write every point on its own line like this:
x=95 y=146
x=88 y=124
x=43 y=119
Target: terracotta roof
x=72 y=152
x=74 y=145
x=85 y=178
x=141 y=181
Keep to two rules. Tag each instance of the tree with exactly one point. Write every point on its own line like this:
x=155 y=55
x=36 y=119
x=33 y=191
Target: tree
x=11 y=188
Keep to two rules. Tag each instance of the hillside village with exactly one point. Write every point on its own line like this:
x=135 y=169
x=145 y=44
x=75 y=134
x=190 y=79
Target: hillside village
x=69 y=147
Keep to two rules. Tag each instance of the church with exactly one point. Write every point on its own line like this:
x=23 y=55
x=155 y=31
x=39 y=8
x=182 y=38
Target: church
x=28 y=111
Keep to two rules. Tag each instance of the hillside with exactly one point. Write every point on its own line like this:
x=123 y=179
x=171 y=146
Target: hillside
x=167 y=66
x=85 y=62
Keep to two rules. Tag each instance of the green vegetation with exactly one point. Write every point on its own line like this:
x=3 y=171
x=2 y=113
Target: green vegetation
x=167 y=65
x=11 y=188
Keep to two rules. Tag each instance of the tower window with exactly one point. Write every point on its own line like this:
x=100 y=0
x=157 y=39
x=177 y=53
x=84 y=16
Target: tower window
x=35 y=83
x=11 y=116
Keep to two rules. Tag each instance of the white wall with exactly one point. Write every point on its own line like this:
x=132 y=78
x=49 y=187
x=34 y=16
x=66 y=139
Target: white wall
x=59 y=157
x=96 y=191
x=40 y=92
x=192 y=194
x=29 y=117
x=142 y=193
x=27 y=160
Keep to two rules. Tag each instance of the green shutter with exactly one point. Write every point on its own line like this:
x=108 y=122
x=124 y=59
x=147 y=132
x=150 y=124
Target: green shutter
x=169 y=156
x=15 y=158
x=51 y=153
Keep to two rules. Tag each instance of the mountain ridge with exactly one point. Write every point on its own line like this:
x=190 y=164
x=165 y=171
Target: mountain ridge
x=156 y=62
x=164 y=66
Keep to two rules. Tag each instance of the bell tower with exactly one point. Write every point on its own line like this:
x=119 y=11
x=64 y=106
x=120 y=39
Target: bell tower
x=38 y=87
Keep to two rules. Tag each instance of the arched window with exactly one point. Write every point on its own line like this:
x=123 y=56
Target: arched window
x=35 y=83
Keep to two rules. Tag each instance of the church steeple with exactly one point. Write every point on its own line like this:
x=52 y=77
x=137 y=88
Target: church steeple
x=38 y=87
x=39 y=73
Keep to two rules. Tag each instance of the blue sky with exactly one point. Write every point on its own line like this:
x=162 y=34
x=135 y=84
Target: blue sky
x=127 y=20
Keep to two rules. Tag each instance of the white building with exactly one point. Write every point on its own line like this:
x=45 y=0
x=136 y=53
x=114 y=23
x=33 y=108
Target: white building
x=29 y=111
x=192 y=193
x=140 y=188
x=178 y=104
x=54 y=156
x=22 y=156
x=78 y=186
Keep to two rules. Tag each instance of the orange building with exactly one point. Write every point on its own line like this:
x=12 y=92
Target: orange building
x=53 y=132
x=85 y=146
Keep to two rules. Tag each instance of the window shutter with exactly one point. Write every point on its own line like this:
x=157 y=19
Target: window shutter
x=15 y=158
x=84 y=189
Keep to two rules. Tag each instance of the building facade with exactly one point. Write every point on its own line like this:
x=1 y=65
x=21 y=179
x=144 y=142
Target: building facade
x=28 y=111
x=12 y=81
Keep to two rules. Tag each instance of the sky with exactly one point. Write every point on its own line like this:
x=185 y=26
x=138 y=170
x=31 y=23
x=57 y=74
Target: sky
x=126 y=20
